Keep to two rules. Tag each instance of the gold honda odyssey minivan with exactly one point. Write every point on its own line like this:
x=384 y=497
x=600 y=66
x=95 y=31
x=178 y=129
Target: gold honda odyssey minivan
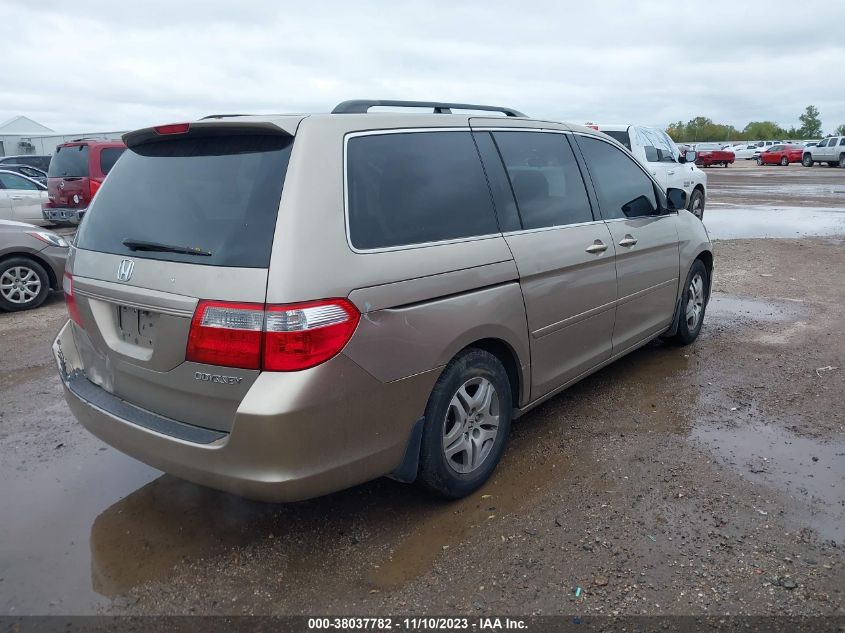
x=284 y=306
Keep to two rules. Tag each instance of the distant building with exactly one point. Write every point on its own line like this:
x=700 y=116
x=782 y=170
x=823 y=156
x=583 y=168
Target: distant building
x=22 y=135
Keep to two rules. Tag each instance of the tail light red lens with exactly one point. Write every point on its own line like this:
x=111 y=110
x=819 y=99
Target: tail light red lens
x=272 y=338
x=303 y=335
x=70 y=300
x=93 y=187
x=227 y=334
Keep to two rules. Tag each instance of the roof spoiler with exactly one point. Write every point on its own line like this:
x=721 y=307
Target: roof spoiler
x=362 y=106
x=161 y=133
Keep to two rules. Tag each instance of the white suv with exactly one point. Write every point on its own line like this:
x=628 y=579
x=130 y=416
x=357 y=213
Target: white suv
x=659 y=154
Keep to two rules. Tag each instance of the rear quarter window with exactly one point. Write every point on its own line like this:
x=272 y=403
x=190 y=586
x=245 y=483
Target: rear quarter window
x=108 y=157
x=416 y=187
x=70 y=161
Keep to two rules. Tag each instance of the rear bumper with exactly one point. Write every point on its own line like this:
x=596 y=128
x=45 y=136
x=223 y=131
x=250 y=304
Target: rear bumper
x=59 y=214
x=295 y=435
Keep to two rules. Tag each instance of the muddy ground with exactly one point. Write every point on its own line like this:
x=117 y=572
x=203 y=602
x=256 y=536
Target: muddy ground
x=706 y=479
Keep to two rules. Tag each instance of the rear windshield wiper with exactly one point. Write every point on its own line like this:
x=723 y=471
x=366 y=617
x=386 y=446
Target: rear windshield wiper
x=139 y=245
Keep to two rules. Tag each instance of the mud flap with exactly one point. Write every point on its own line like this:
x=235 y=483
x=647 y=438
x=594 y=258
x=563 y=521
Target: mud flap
x=406 y=472
x=676 y=320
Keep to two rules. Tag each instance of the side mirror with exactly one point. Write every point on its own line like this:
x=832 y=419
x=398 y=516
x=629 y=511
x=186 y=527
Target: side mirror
x=677 y=199
x=689 y=156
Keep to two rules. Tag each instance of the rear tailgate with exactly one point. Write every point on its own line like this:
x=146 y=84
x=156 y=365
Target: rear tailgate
x=68 y=179
x=180 y=219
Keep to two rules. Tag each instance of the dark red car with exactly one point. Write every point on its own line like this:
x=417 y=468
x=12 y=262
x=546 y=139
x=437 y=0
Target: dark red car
x=781 y=155
x=708 y=154
x=77 y=170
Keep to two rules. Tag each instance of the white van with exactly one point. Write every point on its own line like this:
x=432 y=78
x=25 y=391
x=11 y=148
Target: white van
x=659 y=154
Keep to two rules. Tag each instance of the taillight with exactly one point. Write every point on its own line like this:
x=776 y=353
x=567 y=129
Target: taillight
x=227 y=334
x=93 y=187
x=273 y=338
x=303 y=335
x=70 y=300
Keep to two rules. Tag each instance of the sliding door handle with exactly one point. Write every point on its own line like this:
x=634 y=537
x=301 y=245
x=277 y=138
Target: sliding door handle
x=597 y=247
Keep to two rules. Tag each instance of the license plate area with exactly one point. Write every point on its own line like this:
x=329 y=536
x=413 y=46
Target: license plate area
x=136 y=326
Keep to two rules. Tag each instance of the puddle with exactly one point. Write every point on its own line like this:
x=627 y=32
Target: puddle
x=773 y=222
x=725 y=307
x=784 y=192
x=48 y=509
x=810 y=473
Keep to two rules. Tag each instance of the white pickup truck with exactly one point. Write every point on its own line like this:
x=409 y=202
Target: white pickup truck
x=659 y=154
x=828 y=150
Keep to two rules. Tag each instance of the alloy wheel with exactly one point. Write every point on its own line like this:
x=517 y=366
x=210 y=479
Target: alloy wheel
x=20 y=285
x=471 y=425
x=695 y=301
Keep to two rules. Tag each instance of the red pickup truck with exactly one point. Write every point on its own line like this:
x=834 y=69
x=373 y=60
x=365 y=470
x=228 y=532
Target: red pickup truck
x=707 y=154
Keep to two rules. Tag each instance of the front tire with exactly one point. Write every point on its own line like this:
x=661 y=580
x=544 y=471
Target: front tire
x=467 y=422
x=759 y=162
x=842 y=161
x=24 y=284
x=696 y=204
x=693 y=305
x=807 y=161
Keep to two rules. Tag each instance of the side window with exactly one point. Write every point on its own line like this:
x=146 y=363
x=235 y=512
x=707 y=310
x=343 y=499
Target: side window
x=500 y=187
x=13 y=181
x=416 y=187
x=842 y=141
x=108 y=157
x=623 y=190
x=658 y=147
x=545 y=179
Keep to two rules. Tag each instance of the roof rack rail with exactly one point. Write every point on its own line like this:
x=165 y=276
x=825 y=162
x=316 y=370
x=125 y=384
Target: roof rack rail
x=361 y=106
x=221 y=116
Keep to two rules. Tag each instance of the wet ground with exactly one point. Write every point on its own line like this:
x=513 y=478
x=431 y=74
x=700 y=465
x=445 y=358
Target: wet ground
x=705 y=479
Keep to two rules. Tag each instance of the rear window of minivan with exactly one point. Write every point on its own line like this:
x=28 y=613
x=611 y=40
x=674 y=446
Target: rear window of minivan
x=70 y=161
x=416 y=187
x=218 y=196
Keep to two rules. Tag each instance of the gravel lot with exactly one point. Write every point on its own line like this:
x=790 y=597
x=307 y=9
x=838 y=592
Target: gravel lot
x=703 y=480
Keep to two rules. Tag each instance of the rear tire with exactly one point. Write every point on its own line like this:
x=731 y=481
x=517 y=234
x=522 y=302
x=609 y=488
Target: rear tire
x=24 y=284
x=467 y=422
x=784 y=161
x=696 y=204
x=842 y=161
x=807 y=161
x=693 y=305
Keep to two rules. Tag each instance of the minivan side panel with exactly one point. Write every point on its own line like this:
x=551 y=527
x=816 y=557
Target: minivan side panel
x=393 y=343
x=570 y=298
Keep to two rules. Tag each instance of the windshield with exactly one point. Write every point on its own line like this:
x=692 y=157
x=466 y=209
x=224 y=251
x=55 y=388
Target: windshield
x=219 y=195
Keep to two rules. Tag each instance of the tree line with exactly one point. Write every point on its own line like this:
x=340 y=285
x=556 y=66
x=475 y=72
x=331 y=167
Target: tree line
x=702 y=129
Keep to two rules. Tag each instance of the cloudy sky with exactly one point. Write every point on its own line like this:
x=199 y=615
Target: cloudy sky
x=92 y=65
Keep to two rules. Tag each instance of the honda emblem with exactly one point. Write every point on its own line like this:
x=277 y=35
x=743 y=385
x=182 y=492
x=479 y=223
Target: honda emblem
x=124 y=271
